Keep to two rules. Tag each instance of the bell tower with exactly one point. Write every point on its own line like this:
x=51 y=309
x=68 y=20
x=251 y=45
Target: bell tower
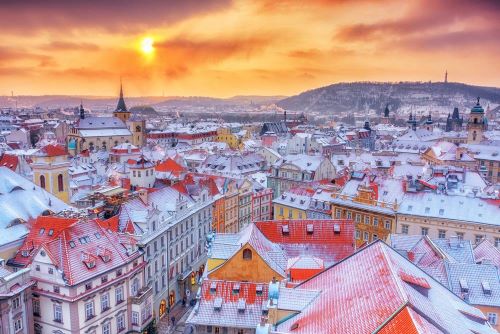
x=477 y=124
x=121 y=111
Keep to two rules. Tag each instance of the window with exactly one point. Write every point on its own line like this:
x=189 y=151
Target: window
x=247 y=254
x=51 y=271
x=36 y=307
x=57 y=313
x=135 y=286
x=209 y=329
x=119 y=294
x=388 y=225
x=358 y=218
x=106 y=328
x=375 y=237
x=358 y=234
x=425 y=230
x=104 y=279
x=16 y=302
x=337 y=213
x=366 y=236
x=492 y=318
x=104 y=302
x=120 y=322
x=18 y=325
x=89 y=310
x=118 y=272
x=42 y=181
x=479 y=238
x=497 y=242
x=349 y=215
x=88 y=286
x=367 y=220
x=375 y=221
x=442 y=234
x=404 y=229
x=56 y=289
x=60 y=183
x=460 y=235
x=135 y=318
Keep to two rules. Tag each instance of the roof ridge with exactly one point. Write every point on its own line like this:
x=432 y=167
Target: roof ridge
x=394 y=275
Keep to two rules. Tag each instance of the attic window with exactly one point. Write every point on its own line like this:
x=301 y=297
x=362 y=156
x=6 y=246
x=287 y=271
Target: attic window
x=42 y=231
x=247 y=254
x=213 y=287
x=464 y=287
x=25 y=253
x=51 y=232
x=310 y=228
x=72 y=244
x=236 y=288
x=241 y=305
x=218 y=304
x=336 y=228
x=285 y=230
x=486 y=287
x=258 y=290
x=97 y=235
x=90 y=263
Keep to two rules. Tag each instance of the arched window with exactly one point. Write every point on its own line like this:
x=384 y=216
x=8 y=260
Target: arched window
x=60 y=184
x=42 y=181
x=474 y=135
x=138 y=129
x=247 y=254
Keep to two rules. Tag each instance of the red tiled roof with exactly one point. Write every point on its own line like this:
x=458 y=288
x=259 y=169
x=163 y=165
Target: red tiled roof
x=53 y=150
x=224 y=290
x=323 y=242
x=9 y=161
x=88 y=240
x=169 y=165
x=363 y=293
x=43 y=229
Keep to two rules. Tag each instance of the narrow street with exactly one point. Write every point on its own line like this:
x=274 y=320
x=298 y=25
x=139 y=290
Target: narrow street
x=181 y=314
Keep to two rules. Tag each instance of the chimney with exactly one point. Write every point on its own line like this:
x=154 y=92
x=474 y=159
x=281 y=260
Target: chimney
x=143 y=195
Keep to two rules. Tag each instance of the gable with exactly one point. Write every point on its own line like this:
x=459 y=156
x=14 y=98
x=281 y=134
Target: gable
x=238 y=269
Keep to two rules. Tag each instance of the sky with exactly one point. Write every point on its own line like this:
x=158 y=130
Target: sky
x=224 y=48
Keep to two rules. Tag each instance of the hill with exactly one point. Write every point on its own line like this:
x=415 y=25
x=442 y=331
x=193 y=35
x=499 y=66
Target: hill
x=402 y=96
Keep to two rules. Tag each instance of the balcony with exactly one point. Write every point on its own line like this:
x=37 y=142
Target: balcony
x=141 y=296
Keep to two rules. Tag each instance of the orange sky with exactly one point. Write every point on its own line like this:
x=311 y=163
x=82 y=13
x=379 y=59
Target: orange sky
x=225 y=48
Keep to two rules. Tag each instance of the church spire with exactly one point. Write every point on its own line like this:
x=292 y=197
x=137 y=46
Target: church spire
x=121 y=102
x=82 y=111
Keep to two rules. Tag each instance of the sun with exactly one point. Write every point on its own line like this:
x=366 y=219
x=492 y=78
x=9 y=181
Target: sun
x=147 y=45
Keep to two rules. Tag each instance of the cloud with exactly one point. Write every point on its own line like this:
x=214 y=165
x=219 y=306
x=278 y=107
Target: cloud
x=123 y=15
x=11 y=55
x=68 y=46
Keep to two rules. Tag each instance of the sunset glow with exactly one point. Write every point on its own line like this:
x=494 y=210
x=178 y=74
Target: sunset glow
x=225 y=48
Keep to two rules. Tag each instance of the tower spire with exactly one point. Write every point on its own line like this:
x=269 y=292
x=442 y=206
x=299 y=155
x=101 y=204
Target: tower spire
x=446 y=76
x=121 y=102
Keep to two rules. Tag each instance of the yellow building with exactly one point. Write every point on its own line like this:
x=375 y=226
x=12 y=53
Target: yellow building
x=50 y=171
x=233 y=135
x=291 y=206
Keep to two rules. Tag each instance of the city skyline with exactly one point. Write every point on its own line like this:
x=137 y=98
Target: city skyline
x=227 y=48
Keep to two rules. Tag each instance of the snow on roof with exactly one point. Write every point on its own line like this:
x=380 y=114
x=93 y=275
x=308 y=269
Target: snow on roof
x=22 y=199
x=460 y=208
x=99 y=123
x=105 y=132
x=378 y=282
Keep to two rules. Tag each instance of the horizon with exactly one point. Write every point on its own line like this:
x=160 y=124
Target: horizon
x=240 y=95
x=226 y=48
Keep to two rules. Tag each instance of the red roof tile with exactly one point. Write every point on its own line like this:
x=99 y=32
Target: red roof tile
x=9 y=161
x=169 y=165
x=52 y=150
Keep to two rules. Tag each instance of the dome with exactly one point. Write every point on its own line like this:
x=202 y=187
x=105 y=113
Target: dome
x=477 y=108
x=72 y=144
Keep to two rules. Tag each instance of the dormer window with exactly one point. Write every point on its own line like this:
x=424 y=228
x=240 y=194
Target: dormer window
x=213 y=287
x=336 y=228
x=464 y=287
x=285 y=230
x=259 y=289
x=310 y=228
x=218 y=304
x=236 y=288
x=41 y=232
x=242 y=305
x=25 y=253
x=486 y=287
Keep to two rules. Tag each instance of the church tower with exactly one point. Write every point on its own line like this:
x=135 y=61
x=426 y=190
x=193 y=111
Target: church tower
x=137 y=125
x=50 y=171
x=121 y=111
x=477 y=124
x=429 y=123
